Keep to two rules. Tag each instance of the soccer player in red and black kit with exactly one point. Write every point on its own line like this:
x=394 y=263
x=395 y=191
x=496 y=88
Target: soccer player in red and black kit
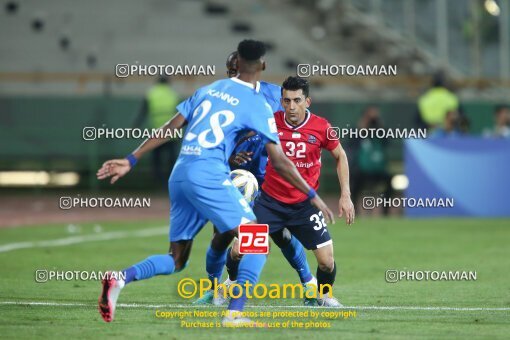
x=303 y=135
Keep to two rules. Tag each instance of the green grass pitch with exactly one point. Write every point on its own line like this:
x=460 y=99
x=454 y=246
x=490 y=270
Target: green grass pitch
x=363 y=253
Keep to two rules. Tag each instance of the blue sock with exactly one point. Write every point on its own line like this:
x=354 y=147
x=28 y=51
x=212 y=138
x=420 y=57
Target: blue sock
x=294 y=252
x=129 y=274
x=249 y=270
x=151 y=266
x=214 y=263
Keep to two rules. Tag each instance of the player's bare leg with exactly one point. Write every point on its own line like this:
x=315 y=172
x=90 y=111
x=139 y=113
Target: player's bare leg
x=180 y=251
x=114 y=281
x=326 y=273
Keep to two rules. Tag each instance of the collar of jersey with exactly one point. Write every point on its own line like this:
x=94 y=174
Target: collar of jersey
x=250 y=85
x=300 y=125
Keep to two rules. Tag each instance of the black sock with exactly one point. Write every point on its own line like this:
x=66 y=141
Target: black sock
x=232 y=266
x=325 y=278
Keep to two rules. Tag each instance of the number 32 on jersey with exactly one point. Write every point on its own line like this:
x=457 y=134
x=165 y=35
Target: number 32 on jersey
x=297 y=150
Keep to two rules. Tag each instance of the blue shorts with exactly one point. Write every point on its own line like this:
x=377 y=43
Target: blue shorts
x=303 y=220
x=195 y=203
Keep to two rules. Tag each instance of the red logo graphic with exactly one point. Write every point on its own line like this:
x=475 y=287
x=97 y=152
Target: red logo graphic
x=253 y=239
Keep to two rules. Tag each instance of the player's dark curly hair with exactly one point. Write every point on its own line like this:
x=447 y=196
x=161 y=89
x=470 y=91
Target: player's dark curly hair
x=251 y=50
x=296 y=83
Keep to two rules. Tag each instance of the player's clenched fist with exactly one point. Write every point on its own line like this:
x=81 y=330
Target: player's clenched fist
x=240 y=158
x=115 y=168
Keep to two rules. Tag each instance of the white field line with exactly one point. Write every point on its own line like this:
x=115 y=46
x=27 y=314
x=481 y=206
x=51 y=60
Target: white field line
x=85 y=238
x=170 y=306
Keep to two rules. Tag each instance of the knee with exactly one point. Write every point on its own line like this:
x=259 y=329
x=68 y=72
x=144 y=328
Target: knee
x=180 y=261
x=327 y=265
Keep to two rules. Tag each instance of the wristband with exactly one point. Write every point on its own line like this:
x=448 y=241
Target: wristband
x=132 y=160
x=311 y=194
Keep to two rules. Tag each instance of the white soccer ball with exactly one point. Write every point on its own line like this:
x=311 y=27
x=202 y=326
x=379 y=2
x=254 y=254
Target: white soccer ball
x=246 y=183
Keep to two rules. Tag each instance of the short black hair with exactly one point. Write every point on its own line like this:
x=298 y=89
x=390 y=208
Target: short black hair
x=230 y=58
x=296 y=83
x=251 y=50
x=163 y=79
x=439 y=79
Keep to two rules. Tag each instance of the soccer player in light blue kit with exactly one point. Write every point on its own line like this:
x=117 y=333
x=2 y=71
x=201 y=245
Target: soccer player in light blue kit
x=217 y=115
x=250 y=154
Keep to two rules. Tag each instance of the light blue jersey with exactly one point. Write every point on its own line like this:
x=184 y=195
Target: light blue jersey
x=218 y=115
x=255 y=144
x=273 y=95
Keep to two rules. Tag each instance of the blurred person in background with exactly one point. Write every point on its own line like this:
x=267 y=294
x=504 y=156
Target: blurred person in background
x=501 y=127
x=158 y=106
x=370 y=159
x=434 y=104
x=451 y=126
x=464 y=123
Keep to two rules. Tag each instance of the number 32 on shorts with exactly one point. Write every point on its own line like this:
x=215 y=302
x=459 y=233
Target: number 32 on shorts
x=319 y=221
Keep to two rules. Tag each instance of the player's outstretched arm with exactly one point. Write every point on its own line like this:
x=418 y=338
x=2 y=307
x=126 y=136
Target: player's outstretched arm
x=117 y=168
x=345 y=206
x=177 y=122
x=288 y=171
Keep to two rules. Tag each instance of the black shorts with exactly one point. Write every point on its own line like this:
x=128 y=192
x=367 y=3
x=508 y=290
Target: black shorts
x=303 y=220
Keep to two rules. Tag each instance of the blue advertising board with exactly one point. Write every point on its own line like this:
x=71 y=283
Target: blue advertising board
x=475 y=172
